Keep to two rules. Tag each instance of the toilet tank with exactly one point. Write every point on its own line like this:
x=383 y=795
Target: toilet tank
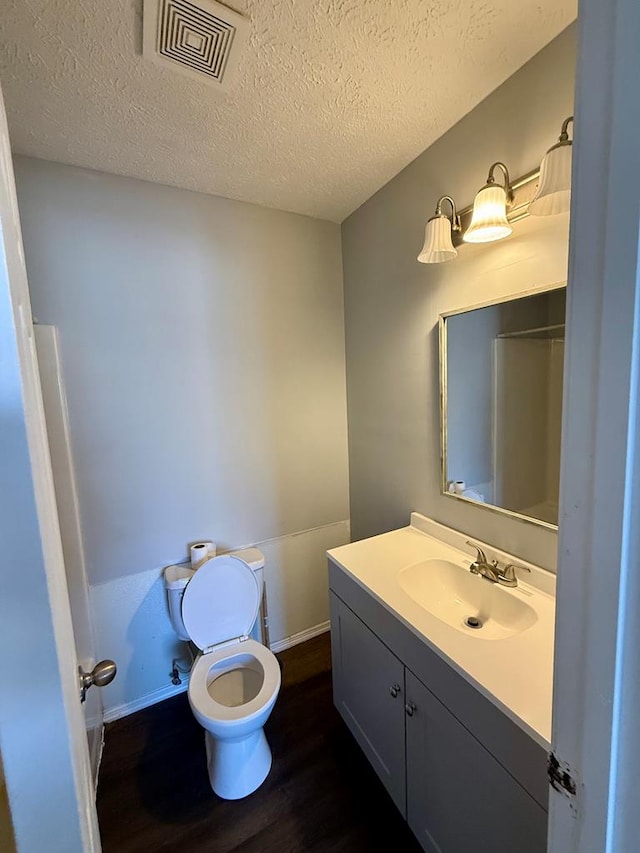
x=177 y=577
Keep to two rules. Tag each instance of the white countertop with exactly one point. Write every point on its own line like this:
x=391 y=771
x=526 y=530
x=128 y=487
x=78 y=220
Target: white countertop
x=516 y=672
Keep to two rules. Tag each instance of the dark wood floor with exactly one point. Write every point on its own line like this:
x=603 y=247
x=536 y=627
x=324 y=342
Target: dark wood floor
x=321 y=794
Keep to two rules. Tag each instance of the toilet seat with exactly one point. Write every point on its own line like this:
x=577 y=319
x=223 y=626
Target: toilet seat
x=205 y=706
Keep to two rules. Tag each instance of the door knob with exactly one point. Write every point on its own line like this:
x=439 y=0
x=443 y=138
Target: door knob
x=410 y=709
x=394 y=690
x=103 y=673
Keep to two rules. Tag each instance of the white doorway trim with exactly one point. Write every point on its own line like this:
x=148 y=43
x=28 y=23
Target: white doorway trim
x=595 y=733
x=60 y=450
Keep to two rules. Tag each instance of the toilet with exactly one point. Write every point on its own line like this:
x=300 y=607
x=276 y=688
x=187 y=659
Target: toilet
x=235 y=680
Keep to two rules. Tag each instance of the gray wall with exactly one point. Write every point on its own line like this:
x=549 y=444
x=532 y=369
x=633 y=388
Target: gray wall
x=202 y=348
x=392 y=303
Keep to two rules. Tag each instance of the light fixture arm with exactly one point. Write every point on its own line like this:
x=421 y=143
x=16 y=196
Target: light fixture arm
x=455 y=219
x=564 y=132
x=507 y=179
x=563 y=139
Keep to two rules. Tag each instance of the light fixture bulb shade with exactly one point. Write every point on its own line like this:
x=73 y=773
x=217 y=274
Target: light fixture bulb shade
x=438 y=246
x=554 y=187
x=489 y=217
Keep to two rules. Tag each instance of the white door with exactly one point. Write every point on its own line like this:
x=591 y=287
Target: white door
x=42 y=735
x=594 y=803
x=57 y=418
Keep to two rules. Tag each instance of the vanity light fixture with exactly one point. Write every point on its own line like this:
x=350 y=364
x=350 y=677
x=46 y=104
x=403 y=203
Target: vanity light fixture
x=541 y=192
x=489 y=219
x=554 y=188
x=438 y=246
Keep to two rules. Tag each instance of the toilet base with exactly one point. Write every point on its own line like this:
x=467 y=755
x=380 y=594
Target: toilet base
x=237 y=767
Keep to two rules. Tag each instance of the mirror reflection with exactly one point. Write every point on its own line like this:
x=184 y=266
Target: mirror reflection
x=502 y=368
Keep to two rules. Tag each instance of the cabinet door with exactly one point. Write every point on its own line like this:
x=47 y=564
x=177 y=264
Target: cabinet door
x=368 y=687
x=458 y=796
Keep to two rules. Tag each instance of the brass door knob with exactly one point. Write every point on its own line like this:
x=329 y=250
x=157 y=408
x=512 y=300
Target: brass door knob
x=103 y=673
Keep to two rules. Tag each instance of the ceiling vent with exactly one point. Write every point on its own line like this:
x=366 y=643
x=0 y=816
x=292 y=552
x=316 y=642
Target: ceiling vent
x=202 y=39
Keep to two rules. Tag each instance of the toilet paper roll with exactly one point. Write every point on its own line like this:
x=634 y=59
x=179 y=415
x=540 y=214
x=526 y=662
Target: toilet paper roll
x=459 y=487
x=201 y=552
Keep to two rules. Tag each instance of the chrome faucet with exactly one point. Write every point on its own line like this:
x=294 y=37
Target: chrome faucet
x=508 y=574
x=481 y=566
x=492 y=571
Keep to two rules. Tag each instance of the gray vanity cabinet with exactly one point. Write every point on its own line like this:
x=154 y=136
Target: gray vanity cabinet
x=463 y=774
x=368 y=685
x=458 y=796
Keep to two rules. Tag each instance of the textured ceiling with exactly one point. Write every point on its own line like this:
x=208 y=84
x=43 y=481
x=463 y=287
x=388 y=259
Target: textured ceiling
x=332 y=99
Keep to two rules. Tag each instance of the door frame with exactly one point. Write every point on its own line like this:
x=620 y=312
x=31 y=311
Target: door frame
x=69 y=519
x=594 y=739
x=42 y=733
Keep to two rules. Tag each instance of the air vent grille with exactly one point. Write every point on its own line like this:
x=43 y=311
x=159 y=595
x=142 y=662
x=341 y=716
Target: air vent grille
x=200 y=39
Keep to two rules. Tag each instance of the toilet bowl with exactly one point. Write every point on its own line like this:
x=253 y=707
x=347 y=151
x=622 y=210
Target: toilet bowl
x=232 y=692
x=235 y=680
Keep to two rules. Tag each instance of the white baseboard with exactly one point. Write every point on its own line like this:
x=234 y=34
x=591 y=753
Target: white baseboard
x=145 y=701
x=300 y=637
x=127 y=708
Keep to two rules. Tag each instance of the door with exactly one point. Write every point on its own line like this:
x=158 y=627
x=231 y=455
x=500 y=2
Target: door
x=42 y=735
x=458 y=796
x=57 y=419
x=368 y=692
x=595 y=736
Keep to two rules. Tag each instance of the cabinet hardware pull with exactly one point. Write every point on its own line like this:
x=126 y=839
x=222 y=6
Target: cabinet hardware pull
x=409 y=709
x=395 y=690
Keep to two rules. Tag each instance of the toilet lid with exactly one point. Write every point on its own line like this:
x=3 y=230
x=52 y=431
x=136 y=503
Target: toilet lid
x=220 y=602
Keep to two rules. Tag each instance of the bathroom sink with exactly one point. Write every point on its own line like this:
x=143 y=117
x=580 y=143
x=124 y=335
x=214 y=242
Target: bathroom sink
x=463 y=600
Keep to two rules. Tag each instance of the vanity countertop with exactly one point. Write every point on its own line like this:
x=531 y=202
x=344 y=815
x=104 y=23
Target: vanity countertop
x=514 y=672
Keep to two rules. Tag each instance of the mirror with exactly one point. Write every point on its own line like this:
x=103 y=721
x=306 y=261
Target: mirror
x=501 y=388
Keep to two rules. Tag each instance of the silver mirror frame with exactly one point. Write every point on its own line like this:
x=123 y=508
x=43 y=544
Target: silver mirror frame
x=442 y=332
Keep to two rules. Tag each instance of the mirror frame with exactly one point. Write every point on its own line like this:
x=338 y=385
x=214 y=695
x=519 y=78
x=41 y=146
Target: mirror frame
x=442 y=333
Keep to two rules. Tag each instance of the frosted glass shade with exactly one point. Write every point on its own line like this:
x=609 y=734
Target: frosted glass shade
x=438 y=246
x=554 y=187
x=489 y=218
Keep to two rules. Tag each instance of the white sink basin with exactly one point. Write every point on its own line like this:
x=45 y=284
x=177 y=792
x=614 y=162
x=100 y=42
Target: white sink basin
x=452 y=594
x=421 y=574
